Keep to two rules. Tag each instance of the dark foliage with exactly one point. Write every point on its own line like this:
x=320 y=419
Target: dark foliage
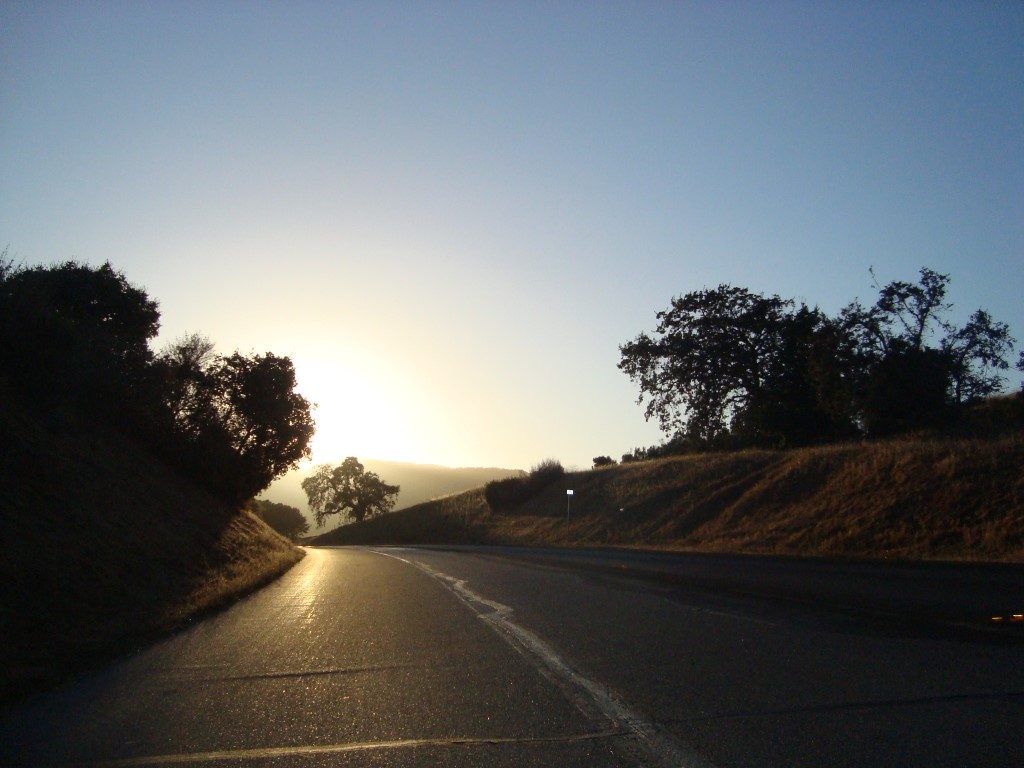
x=236 y=421
x=906 y=389
x=908 y=367
x=262 y=424
x=728 y=368
x=75 y=339
x=546 y=472
x=507 y=493
x=79 y=336
x=285 y=519
x=348 y=489
x=514 y=491
x=996 y=416
x=603 y=461
x=730 y=363
x=675 y=446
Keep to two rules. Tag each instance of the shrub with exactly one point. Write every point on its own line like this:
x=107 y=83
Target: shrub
x=510 y=492
x=603 y=461
x=514 y=491
x=546 y=472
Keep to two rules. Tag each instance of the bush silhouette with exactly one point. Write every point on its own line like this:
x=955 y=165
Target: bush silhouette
x=503 y=494
x=546 y=472
x=514 y=491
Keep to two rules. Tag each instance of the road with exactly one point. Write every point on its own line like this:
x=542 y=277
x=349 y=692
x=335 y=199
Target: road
x=491 y=657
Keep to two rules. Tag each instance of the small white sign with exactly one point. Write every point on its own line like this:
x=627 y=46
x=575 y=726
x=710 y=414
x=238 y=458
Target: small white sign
x=569 y=492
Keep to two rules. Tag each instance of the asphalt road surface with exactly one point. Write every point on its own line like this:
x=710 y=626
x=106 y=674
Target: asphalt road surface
x=493 y=657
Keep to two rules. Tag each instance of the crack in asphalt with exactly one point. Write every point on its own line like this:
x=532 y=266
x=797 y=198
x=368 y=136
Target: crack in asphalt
x=309 y=673
x=263 y=753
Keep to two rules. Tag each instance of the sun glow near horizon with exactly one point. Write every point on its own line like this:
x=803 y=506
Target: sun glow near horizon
x=357 y=413
x=378 y=408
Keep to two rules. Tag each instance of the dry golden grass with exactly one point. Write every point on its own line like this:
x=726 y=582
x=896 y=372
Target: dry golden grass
x=250 y=554
x=908 y=499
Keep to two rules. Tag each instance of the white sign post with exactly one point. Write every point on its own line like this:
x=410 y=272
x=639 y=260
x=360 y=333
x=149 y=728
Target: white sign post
x=568 y=503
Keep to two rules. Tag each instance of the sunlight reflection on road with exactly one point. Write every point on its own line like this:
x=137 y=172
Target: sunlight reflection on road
x=307 y=588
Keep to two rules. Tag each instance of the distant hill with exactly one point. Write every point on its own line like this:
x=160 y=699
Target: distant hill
x=910 y=499
x=418 y=483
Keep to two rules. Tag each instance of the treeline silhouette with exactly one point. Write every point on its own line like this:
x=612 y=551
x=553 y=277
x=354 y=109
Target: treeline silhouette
x=727 y=368
x=75 y=343
x=283 y=518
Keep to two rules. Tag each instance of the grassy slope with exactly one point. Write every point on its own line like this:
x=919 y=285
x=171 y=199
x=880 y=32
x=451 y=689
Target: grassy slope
x=911 y=499
x=104 y=548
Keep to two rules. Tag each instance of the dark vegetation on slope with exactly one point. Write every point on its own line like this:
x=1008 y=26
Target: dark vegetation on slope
x=283 y=518
x=105 y=548
x=123 y=472
x=514 y=491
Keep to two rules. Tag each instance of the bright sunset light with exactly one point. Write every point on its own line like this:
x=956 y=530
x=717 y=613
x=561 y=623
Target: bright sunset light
x=357 y=415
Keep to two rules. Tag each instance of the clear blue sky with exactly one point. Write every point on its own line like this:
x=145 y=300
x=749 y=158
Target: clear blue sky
x=451 y=214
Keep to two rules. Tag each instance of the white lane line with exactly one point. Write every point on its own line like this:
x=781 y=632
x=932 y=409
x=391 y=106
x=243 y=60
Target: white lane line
x=263 y=753
x=662 y=746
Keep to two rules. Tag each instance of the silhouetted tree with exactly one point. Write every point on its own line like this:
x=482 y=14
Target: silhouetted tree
x=974 y=354
x=186 y=368
x=603 y=461
x=268 y=425
x=787 y=404
x=348 y=489
x=726 y=361
x=283 y=518
x=77 y=334
x=7 y=265
x=238 y=419
x=908 y=366
x=728 y=368
x=907 y=389
x=76 y=338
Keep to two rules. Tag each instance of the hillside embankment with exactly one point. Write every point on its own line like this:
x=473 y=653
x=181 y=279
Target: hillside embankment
x=904 y=499
x=105 y=549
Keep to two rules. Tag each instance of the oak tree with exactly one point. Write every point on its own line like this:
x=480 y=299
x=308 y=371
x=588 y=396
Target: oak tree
x=349 y=490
